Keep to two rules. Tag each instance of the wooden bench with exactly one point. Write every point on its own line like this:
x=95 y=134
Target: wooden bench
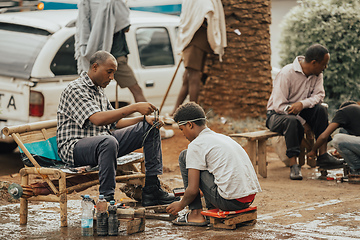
x=258 y=153
x=257 y=148
x=57 y=178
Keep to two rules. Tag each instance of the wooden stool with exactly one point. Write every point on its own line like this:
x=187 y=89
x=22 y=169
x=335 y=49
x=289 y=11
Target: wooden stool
x=229 y=219
x=324 y=170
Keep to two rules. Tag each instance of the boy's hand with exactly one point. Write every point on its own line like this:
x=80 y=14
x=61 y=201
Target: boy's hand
x=311 y=154
x=174 y=208
x=151 y=120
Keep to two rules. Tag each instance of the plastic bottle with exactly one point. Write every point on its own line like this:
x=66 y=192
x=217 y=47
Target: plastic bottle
x=113 y=219
x=101 y=216
x=87 y=216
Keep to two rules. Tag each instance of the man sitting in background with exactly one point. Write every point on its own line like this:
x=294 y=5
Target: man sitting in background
x=295 y=105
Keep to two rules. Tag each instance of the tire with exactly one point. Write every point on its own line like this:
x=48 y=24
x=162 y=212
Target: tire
x=7 y=147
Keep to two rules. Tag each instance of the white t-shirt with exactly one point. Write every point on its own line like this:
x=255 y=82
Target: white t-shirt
x=229 y=163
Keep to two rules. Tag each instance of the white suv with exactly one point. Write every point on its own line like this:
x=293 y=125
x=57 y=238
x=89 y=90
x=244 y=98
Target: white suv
x=37 y=62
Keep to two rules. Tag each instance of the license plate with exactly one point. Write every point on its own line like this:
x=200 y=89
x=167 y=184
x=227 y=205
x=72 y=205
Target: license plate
x=13 y=105
x=7 y=102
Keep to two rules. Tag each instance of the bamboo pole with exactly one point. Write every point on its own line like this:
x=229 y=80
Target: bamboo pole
x=116 y=96
x=95 y=182
x=29 y=127
x=172 y=80
x=47 y=198
x=63 y=200
x=46 y=171
x=23 y=201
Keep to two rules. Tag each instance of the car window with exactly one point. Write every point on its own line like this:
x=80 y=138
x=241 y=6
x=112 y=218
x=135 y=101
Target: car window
x=154 y=46
x=19 y=47
x=64 y=62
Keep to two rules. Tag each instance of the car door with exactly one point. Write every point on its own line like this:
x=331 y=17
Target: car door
x=157 y=64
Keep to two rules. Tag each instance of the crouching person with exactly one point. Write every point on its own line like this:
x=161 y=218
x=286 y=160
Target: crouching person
x=214 y=163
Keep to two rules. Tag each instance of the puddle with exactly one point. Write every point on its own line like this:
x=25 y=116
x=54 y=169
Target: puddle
x=44 y=223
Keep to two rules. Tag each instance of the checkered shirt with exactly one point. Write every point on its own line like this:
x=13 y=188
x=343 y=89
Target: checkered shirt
x=79 y=100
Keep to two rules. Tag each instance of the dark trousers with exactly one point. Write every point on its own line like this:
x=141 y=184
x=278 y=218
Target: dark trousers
x=103 y=150
x=290 y=127
x=209 y=189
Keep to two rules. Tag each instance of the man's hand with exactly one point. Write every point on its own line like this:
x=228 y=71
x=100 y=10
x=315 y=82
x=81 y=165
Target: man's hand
x=295 y=108
x=174 y=208
x=145 y=108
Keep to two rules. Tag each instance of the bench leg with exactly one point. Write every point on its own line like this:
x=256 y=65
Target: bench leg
x=24 y=201
x=63 y=200
x=252 y=153
x=143 y=170
x=262 y=160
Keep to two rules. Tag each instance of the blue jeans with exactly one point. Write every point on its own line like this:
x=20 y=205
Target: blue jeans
x=209 y=189
x=103 y=150
x=349 y=148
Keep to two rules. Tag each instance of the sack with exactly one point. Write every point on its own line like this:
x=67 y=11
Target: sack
x=279 y=145
x=43 y=161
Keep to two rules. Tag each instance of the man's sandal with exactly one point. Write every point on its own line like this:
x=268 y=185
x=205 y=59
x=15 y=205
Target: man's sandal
x=183 y=221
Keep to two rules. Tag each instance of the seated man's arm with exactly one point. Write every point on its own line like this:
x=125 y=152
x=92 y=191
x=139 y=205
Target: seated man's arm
x=111 y=116
x=190 y=193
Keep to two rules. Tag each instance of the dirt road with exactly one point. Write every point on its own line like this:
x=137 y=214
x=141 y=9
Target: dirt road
x=307 y=209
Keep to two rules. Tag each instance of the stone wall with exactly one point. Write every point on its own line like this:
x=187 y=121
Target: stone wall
x=240 y=86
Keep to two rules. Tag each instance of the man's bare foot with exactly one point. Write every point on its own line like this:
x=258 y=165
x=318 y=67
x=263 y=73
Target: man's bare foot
x=195 y=216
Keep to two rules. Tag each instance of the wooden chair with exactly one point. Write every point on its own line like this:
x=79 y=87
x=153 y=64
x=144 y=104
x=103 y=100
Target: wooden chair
x=43 y=131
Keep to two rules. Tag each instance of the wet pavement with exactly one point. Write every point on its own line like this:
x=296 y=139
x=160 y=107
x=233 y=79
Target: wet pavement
x=308 y=209
x=339 y=222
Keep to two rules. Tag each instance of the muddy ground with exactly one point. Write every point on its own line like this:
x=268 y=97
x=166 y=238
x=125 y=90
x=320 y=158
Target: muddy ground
x=307 y=209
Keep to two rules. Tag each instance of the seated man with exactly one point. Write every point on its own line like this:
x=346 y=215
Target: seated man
x=295 y=105
x=85 y=120
x=347 y=144
x=214 y=163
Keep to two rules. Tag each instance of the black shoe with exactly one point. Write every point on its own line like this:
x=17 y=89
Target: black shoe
x=328 y=160
x=154 y=195
x=110 y=197
x=295 y=172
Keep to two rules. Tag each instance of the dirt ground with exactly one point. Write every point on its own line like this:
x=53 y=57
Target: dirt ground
x=289 y=205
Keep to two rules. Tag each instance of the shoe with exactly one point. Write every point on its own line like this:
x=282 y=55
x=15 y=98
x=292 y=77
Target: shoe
x=295 y=172
x=168 y=120
x=166 y=133
x=155 y=195
x=327 y=160
x=110 y=197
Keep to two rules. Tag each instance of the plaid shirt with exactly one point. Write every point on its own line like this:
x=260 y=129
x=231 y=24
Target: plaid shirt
x=79 y=100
